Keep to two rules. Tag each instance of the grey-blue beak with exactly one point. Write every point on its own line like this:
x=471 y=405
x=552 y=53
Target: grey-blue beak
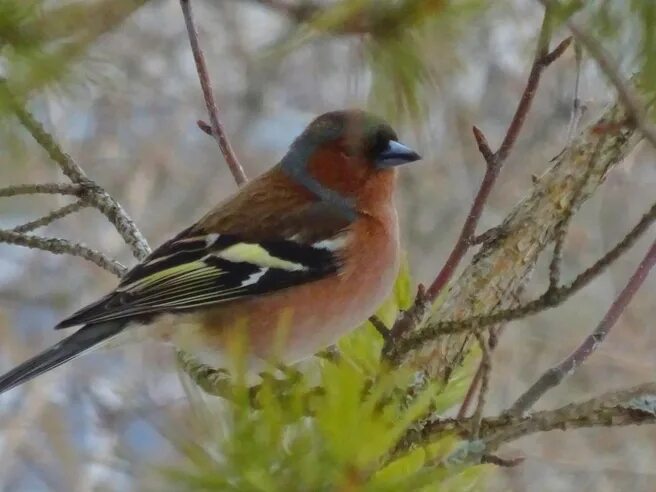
x=396 y=154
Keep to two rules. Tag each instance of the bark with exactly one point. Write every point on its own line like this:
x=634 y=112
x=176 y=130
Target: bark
x=506 y=261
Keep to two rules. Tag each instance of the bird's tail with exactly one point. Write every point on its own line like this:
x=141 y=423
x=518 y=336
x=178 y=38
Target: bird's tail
x=69 y=348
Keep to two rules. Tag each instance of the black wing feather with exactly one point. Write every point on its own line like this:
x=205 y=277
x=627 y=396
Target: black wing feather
x=187 y=273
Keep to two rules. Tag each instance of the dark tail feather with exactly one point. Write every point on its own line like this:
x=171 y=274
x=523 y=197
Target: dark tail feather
x=69 y=348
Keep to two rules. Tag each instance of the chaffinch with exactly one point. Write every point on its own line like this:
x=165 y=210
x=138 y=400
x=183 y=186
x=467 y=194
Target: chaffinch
x=310 y=247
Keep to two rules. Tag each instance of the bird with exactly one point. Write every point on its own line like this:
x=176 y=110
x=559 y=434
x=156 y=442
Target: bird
x=295 y=259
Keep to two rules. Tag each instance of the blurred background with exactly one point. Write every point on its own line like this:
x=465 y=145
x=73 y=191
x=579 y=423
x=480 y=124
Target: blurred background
x=125 y=108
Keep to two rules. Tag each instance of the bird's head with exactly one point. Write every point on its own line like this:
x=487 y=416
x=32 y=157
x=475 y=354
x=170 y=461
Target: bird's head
x=343 y=153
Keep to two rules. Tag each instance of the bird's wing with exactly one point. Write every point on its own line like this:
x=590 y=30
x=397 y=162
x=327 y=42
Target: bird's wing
x=198 y=269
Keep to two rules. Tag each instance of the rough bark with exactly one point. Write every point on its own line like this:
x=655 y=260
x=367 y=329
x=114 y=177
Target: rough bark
x=505 y=262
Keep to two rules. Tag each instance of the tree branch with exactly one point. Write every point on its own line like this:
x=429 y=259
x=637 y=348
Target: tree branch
x=554 y=296
x=505 y=262
x=555 y=375
x=486 y=369
x=631 y=406
x=495 y=160
x=47 y=188
x=218 y=131
x=92 y=192
x=51 y=217
x=494 y=163
x=63 y=247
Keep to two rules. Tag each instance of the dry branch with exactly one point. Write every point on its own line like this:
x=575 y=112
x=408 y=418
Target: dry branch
x=63 y=247
x=631 y=406
x=217 y=129
x=47 y=188
x=494 y=162
x=51 y=217
x=554 y=296
x=555 y=375
x=92 y=192
x=505 y=263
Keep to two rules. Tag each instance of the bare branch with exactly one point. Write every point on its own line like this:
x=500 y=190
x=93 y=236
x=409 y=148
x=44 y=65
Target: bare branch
x=408 y=319
x=63 y=247
x=47 y=188
x=502 y=462
x=486 y=368
x=93 y=193
x=471 y=392
x=551 y=298
x=632 y=406
x=555 y=375
x=557 y=256
x=495 y=161
x=51 y=217
x=218 y=131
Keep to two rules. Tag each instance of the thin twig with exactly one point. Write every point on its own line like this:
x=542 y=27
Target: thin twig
x=218 y=131
x=63 y=247
x=495 y=161
x=631 y=406
x=46 y=188
x=471 y=392
x=486 y=368
x=93 y=193
x=553 y=376
x=380 y=327
x=502 y=462
x=408 y=319
x=51 y=217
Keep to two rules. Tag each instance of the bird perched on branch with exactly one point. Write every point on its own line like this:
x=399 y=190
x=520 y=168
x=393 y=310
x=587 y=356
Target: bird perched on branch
x=295 y=259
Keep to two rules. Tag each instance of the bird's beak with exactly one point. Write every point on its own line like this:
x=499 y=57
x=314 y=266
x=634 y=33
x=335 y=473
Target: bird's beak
x=396 y=154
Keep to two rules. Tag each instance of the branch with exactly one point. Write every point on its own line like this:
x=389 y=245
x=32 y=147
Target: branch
x=554 y=296
x=495 y=160
x=218 y=131
x=92 y=192
x=48 y=188
x=494 y=163
x=51 y=217
x=633 y=406
x=63 y=247
x=485 y=369
x=555 y=375
x=506 y=261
